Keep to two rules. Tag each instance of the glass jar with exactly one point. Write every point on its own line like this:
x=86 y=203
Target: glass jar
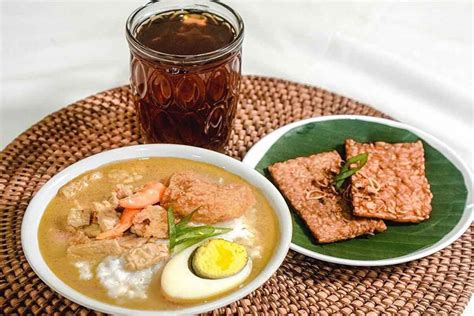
x=185 y=99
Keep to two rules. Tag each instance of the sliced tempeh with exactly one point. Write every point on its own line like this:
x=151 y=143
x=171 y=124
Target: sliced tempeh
x=307 y=184
x=392 y=185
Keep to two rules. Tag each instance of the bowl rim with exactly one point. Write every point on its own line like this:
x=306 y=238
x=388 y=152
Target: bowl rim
x=37 y=206
x=258 y=150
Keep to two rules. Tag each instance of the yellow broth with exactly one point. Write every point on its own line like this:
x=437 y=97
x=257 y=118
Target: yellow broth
x=52 y=229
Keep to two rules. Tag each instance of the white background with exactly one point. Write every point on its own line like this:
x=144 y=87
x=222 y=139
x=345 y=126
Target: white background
x=412 y=60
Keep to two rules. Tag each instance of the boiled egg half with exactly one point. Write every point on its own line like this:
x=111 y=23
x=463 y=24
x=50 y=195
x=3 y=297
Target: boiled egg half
x=219 y=266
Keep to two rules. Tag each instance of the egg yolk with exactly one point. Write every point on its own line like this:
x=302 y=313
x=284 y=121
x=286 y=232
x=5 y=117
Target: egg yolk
x=224 y=258
x=219 y=258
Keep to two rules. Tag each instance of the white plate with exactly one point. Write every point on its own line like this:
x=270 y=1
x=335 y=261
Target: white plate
x=37 y=206
x=256 y=153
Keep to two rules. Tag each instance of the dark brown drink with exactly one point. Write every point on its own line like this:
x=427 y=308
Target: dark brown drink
x=185 y=32
x=185 y=76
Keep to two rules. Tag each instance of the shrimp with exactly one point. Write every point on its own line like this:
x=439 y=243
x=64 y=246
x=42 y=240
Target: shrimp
x=150 y=194
x=126 y=221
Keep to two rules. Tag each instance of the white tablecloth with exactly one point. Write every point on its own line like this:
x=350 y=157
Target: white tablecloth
x=411 y=60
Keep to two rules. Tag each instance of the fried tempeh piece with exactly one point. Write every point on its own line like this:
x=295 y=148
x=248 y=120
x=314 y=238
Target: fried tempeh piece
x=392 y=185
x=307 y=184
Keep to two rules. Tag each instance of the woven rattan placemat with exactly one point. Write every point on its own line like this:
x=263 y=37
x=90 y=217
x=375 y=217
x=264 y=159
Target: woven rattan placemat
x=439 y=284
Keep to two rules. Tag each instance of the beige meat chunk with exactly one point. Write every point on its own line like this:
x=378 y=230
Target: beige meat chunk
x=392 y=185
x=105 y=214
x=78 y=217
x=145 y=256
x=151 y=222
x=217 y=202
x=307 y=183
x=96 y=249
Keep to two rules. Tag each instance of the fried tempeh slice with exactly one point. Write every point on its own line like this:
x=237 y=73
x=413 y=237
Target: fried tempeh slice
x=392 y=185
x=307 y=184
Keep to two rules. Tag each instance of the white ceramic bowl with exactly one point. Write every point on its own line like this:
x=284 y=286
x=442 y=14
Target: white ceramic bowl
x=37 y=206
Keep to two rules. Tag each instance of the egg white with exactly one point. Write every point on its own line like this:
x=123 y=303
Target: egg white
x=179 y=283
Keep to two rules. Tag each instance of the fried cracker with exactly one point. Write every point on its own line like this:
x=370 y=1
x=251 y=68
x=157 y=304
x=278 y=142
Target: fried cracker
x=307 y=184
x=392 y=185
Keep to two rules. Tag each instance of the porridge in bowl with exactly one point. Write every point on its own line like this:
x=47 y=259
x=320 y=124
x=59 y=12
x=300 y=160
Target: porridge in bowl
x=157 y=233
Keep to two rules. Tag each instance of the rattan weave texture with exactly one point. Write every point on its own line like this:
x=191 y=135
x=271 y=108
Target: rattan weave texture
x=439 y=284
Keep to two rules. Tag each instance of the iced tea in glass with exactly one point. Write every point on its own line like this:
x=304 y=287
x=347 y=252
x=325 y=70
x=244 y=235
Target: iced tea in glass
x=185 y=71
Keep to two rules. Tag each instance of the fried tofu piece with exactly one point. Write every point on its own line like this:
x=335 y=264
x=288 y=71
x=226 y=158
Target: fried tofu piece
x=188 y=191
x=392 y=185
x=307 y=183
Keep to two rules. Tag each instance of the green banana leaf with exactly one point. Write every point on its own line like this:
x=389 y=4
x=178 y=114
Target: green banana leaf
x=447 y=185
